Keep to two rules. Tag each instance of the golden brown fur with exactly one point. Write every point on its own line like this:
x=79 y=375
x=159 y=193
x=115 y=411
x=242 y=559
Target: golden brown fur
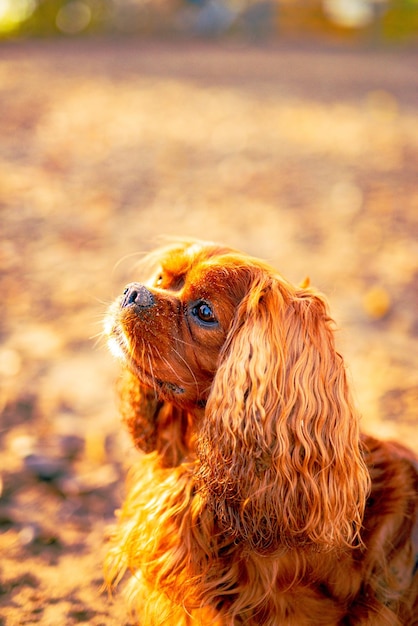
x=256 y=500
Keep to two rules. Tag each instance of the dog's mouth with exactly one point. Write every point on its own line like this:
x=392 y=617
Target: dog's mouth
x=165 y=385
x=120 y=348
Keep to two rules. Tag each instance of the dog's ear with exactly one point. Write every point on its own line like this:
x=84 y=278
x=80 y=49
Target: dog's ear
x=279 y=452
x=154 y=425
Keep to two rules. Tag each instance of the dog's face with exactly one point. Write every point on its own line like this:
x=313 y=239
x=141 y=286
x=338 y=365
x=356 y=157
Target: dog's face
x=171 y=329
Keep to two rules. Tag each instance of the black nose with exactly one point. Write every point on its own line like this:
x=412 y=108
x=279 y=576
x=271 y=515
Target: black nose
x=135 y=293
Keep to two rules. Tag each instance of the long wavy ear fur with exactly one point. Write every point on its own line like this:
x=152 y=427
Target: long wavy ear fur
x=279 y=451
x=154 y=425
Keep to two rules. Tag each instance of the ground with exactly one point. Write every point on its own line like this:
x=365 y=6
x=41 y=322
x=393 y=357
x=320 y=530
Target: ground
x=305 y=155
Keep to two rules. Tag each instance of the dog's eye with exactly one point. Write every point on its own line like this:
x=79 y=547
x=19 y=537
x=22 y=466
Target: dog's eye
x=203 y=312
x=159 y=280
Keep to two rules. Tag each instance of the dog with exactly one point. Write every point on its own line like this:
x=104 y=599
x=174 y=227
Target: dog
x=256 y=499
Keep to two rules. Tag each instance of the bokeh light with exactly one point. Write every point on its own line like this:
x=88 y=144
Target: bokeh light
x=350 y=13
x=74 y=17
x=13 y=12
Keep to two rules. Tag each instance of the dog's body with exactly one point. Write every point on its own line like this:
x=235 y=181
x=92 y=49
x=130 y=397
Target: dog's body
x=257 y=501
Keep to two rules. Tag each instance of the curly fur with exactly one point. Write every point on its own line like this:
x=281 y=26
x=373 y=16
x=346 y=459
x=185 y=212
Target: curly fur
x=256 y=500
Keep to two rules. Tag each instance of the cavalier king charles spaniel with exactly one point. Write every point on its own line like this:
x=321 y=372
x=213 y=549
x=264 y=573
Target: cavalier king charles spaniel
x=256 y=500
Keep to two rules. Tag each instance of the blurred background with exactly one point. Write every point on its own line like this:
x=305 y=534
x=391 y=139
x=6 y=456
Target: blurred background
x=287 y=129
x=388 y=20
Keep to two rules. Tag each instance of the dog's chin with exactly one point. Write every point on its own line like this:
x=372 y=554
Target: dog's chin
x=117 y=341
x=119 y=347
x=116 y=349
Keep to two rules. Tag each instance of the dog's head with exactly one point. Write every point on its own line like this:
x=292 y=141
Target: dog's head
x=170 y=329
x=241 y=368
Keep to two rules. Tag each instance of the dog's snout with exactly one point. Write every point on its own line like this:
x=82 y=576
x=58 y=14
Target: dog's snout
x=137 y=294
